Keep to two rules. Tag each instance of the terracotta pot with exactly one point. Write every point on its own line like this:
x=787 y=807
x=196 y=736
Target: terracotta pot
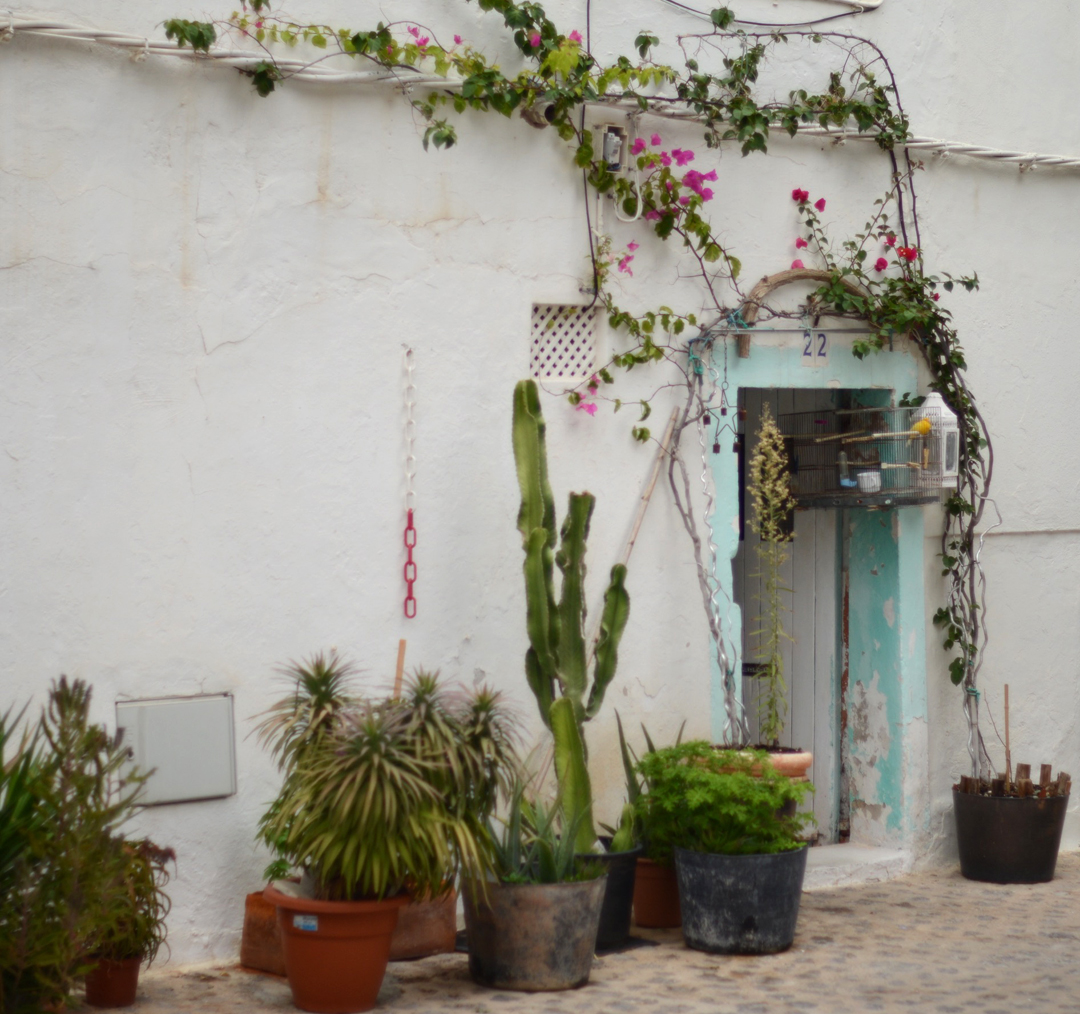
x=113 y=983
x=533 y=937
x=656 y=896
x=425 y=926
x=335 y=951
x=260 y=944
x=794 y=764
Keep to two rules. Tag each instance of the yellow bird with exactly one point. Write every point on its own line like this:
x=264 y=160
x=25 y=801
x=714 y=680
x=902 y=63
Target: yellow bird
x=922 y=427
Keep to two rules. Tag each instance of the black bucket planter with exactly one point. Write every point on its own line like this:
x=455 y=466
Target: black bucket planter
x=740 y=904
x=621 y=870
x=1006 y=840
x=533 y=937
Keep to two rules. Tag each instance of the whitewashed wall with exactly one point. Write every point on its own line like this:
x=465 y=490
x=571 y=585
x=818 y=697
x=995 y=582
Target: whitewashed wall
x=203 y=301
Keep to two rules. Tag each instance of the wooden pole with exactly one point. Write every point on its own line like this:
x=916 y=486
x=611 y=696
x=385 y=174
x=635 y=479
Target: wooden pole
x=400 y=673
x=1008 y=753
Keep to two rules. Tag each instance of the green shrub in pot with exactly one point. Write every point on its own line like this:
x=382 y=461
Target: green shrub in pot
x=724 y=816
x=379 y=796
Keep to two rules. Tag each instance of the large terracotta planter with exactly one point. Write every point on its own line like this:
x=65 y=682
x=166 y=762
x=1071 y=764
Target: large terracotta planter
x=794 y=764
x=656 y=896
x=260 y=944
x=424 y=927
x=533 y=937
x=335 y=951
x=113 y=983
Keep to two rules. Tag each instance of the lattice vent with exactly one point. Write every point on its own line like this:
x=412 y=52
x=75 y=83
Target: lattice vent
x=563 y=342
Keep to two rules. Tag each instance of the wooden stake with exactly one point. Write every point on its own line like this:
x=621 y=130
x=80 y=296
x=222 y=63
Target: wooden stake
x=399 y=675
x=1045 y=777
x=1023 y=771
x=1008 y=754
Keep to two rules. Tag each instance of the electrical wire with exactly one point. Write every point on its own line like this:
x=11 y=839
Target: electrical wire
x=407 y=77
x=705 y=16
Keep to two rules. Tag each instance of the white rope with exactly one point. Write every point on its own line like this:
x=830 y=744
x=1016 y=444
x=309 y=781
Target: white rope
x=300 y=70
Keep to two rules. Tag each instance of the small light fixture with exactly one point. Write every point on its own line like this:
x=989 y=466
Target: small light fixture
x=614 y=147
x=946 y=434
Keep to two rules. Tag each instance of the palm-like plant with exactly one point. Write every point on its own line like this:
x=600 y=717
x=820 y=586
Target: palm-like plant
x=380 y=794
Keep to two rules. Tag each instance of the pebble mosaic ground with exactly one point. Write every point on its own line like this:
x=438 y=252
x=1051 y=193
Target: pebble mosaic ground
x=929 y=941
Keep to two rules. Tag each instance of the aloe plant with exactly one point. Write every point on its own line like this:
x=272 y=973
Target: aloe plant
x=558 y=663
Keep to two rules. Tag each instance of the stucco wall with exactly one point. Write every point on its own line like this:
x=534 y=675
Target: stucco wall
x=203 y=301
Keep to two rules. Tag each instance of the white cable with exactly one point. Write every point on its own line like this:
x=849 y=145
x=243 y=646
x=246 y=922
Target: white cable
x=299 y=70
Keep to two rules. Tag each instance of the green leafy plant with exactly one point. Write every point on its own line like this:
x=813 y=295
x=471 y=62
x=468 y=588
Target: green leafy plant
x=558 y=661
x=383 y=794
x=630 y=831
x=534 y=844
x=726 y=802
x=770 y=491
x=137 y=901
x=75 y=789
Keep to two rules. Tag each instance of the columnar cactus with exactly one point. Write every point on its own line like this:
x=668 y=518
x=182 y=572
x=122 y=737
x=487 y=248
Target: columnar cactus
x=557 y=662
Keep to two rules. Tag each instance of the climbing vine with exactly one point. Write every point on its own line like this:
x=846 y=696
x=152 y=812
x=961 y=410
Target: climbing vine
x=876 y=276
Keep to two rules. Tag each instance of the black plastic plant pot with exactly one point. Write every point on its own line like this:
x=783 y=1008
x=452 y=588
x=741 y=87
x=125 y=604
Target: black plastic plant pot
x=533 y=937
x=1007 y=840
x=740 y=904
x=621 y=869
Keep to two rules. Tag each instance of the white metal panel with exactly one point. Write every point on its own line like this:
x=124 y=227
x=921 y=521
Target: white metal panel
x=188 y=742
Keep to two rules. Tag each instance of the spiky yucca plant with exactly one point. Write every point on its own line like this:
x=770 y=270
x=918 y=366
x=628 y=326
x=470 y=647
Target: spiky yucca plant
x=380 y=794
x=770 y=491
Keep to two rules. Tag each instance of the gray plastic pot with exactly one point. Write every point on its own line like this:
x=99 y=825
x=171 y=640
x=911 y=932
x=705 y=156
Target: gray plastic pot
x=533 y=937
x=740 y=904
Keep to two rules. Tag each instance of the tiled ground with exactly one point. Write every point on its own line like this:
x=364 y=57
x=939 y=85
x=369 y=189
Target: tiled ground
x=926 y=942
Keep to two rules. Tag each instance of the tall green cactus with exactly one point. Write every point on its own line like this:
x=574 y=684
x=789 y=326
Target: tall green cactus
x=557 y=662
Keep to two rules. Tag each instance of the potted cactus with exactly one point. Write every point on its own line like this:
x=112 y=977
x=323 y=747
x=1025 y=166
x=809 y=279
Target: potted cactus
x=566 y=674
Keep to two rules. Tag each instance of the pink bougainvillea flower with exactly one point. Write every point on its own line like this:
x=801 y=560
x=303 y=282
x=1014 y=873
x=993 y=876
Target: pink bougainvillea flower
x=632 y=246
x=800 y=196
x=637 y=147
x=575 y=36
x=258 y=24
x=586 y=406
x=682 y=157
x=797 y=264
x=624 y=265
x=912 y=253
x=534 y=39
x=669 y=184
x=706 y=194
x=880 y=264
x=890 y=240
x=594 y=382
x=908 y=253
x=684 y=201
x=820 y=204
x=652 y=216
x=655 y=141
x=800 y=243
x=457 y=40
x=710 y=175
x=414 y=31
x=422 y=41
x=665 y=158
x=937 y=296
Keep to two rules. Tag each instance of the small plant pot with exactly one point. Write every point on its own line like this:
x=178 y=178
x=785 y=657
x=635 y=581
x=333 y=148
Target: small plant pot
x=113 y=983
x=740 y=904
x=656 y=896
x=621 y=870
x=425 y=926
x=1007 y=840
x=335 y=951
x=533 y=937
x=260 y=943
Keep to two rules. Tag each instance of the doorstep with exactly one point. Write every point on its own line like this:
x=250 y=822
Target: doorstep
x=841 y=865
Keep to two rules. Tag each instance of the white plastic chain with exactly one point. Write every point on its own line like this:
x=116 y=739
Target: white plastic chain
x=410 y=494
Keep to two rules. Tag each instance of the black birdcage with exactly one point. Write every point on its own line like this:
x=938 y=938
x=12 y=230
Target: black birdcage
x=862 y=457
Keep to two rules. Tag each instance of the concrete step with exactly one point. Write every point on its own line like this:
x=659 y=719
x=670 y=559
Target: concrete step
x=841 y=865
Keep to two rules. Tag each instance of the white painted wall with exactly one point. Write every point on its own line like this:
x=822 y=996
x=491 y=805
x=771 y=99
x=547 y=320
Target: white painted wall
x=203 y=301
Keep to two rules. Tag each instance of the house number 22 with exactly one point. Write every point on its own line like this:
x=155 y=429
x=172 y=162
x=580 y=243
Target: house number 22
x=815 y=349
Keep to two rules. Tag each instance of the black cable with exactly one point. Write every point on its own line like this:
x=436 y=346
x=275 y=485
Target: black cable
x=585 y=174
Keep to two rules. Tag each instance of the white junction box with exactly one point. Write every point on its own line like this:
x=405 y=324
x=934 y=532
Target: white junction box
x=188 y=742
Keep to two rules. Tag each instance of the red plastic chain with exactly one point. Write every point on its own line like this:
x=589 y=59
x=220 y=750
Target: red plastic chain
x=410 y=568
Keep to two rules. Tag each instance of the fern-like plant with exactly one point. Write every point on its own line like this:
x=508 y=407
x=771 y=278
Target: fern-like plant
x=380 y=794
x=726 y=802
x=770 y=492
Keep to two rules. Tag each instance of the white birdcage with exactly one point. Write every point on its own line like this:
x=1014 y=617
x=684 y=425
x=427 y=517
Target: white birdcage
x=946 y=432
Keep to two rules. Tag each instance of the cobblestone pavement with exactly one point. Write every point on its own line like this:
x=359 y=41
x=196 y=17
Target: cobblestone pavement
x=929 y=941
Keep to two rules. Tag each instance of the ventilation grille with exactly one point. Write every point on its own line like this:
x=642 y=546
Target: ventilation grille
x=563 y=342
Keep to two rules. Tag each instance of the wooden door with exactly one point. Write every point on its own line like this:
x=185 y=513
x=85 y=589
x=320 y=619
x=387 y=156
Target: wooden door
x=811 y=656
